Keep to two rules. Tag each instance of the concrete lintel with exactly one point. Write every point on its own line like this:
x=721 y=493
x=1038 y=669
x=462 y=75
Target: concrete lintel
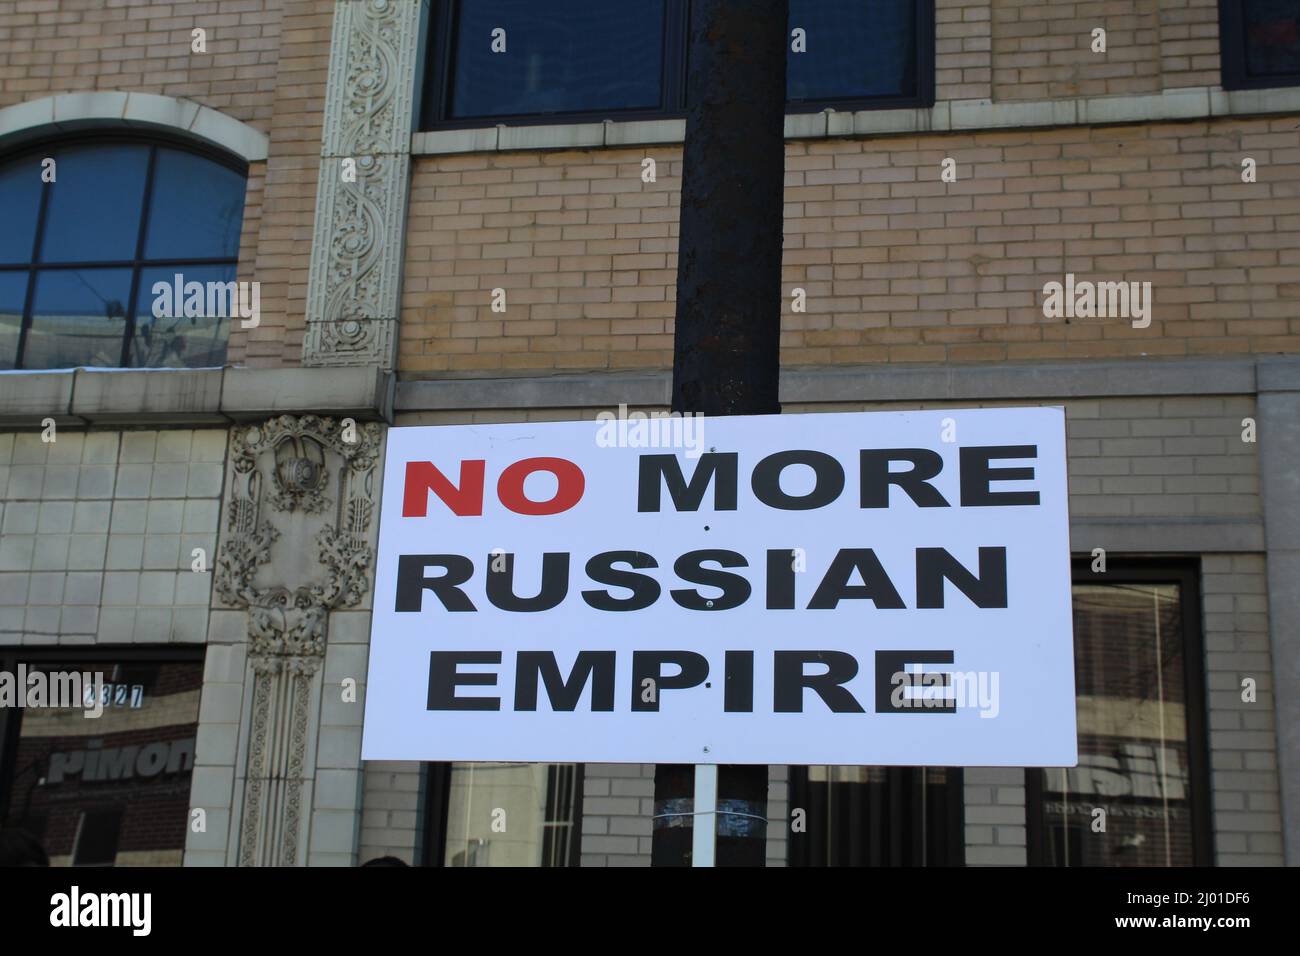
x=901 y=383
x=561 y=391
x=127 y=397
x=1278 y=373
x=1172 y=535
x=1038 y=380
x=192 y=396
x=28 y=397
x=363 y=392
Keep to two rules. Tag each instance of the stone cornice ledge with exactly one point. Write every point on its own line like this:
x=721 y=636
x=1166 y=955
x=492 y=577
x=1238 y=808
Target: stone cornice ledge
x=192 y=396
x=1141 y=534
x=1191 y=103
x=1029 y=381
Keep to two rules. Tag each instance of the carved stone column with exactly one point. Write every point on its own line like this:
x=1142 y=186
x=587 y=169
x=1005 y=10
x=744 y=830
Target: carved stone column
x=354 y=291
x=297 y=542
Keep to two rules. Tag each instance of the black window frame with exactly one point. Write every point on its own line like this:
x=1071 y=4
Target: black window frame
x=439 y=56
x=904 y=811
x=1186 y=574
x=437 y=796
x=1232 y=54
x=138 y=261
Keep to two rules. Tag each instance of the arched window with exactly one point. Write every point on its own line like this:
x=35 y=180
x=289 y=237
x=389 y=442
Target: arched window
x=88 y=236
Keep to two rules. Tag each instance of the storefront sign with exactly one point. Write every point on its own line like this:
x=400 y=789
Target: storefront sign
x=866 y=588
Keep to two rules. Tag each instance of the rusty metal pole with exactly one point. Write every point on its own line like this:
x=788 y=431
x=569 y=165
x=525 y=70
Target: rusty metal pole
x=726 y=355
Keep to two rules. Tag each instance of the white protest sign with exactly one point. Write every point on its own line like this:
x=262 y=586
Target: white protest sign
x=863 y=588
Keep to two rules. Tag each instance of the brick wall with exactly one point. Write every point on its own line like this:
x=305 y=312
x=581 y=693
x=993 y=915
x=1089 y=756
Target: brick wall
x=67 y=46
x=617 y=814
x=391 y=807
x=993 y=802
x=1043 y=50
x=963 y=45
x=1243 y=744
x=288 y=204
x=1189 y=43
x=897 y=265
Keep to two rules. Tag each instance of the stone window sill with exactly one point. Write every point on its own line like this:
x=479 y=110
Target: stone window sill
x=948 y=116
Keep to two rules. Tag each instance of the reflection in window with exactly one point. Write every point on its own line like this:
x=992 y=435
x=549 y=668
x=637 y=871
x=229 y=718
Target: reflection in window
x=78 y=317
x=79 y=255
x=113 y=790
x=855 y=50
x=877 y=816
x=13 y=296
x=593 y=59
x=1260 y=43
x=512 y=815
x=1133 y=735
x=1272 y=37
x=562 y=56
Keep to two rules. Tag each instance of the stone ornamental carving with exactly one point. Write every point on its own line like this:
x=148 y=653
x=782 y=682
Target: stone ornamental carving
x=296 y=544
x=355 y=280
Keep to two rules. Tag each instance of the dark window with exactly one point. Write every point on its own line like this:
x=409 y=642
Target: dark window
x=1260 y=43
x=561 y=56
x=876 y=816
x=856 y=50
x=1139 y=796
x=80 y=255
x=560 y=818
x=97 y=837
x=108 y=791
x=503 y=60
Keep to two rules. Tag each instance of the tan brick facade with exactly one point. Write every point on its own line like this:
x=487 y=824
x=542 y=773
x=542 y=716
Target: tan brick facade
x=898 y=266
x=1045 y=50
x=69 y=46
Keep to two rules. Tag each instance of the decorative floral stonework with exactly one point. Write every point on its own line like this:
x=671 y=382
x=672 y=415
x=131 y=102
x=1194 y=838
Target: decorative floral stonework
x=355 y=281
x=297 y=543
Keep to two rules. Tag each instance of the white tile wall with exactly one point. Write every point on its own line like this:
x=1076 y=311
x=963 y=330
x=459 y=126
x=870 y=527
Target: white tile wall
x=97 y=534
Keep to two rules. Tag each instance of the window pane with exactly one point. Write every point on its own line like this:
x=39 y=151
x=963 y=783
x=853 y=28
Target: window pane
x=855 y=49
x=1133 y=751
x=876 y=816
x=197 y=208
x=13 y=292
x=95 y=204
x=20 y=198
x=511 y=814
x=113 y=790
x=1272 y=32
x=181 y=341
x=78 y=318
x=98 y=835
x=560 y=56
